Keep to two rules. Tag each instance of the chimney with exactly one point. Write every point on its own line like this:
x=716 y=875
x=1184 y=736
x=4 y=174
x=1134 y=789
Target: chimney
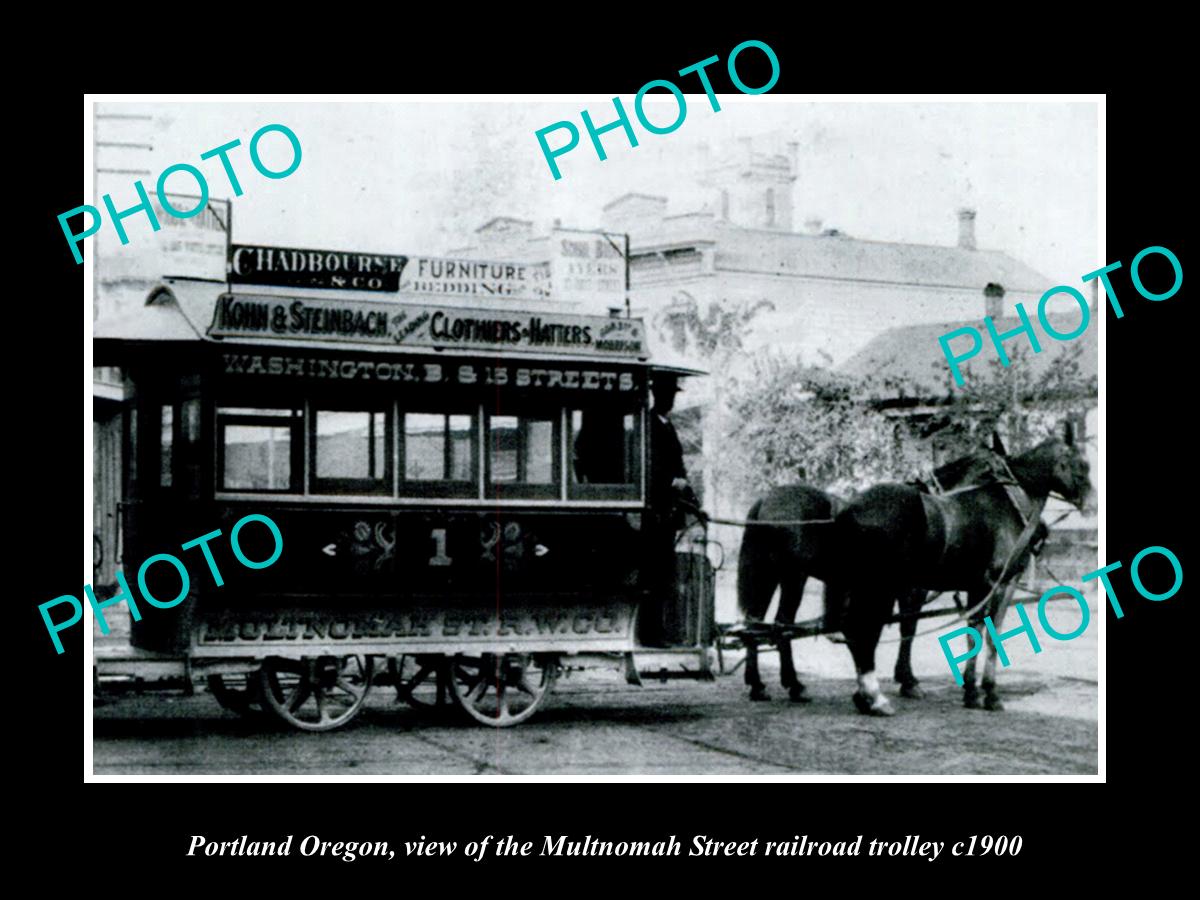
x=966 y=228
x=794 y=157
x=993 y=301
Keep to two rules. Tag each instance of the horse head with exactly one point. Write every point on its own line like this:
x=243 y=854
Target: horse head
x=1057 y=465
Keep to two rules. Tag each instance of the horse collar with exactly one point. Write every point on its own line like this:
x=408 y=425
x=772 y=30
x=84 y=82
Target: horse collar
x=1016 y=492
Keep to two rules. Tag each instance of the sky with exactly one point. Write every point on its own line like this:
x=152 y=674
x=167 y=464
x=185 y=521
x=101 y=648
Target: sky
x=420 y=177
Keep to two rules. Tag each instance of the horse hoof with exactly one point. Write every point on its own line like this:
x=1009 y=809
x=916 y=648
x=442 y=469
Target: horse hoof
x=863 y=704
x=993 y=703
x=971 y=701
x=759 y=694
x=884 y=709
x=912 y=691
x=799 y=694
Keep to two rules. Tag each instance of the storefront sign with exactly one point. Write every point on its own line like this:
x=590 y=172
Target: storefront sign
x=291 y=267
x=369 y=322
x=473 y=278
x=525 y=377
x=588 y=267
x=191 y=248
x=431 y=624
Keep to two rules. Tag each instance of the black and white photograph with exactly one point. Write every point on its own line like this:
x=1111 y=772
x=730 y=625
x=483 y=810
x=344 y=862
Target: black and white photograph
x=465 y=437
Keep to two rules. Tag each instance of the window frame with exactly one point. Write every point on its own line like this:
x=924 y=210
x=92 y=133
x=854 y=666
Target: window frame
x=297 y=412
x=518 y=490
x=384 y=485
x=630 y=490
x=438 y=488
x=294 y=422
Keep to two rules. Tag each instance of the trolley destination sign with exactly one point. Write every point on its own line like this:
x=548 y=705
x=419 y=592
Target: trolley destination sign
x=611 y=622
x=432 y=372
x=370 y=322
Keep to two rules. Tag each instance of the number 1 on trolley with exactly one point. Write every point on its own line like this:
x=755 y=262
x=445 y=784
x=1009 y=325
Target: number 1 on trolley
x=439 y=539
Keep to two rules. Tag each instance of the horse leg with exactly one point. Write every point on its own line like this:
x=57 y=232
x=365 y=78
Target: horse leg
x=757 y=578
x=910 y=604
x=970 y=691
x=835 y=603
x=991 y=700
x=864 y=623
x=758 y=690
x=790 y=595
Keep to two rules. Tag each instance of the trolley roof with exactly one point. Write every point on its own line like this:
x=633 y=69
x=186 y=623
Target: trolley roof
x=205 y=312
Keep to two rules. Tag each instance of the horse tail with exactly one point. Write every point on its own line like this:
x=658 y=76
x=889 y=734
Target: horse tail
x=756 y=575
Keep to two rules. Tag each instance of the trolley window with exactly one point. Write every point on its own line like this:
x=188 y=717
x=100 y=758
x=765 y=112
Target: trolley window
x=351 y=451
x=523 y=455
x=259 y=449
x=606 y=454
x=439 y=455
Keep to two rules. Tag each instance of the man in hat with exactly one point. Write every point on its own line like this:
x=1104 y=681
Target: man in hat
x=670 y=496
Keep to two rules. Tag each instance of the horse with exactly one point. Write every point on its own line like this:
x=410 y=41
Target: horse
x=786 y=556
x=893 y=538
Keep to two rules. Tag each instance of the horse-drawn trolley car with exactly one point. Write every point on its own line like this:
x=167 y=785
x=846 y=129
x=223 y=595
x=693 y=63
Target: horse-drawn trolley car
x=460 y=494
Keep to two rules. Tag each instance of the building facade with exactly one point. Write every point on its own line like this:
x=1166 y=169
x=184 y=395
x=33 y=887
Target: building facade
x=733 y=238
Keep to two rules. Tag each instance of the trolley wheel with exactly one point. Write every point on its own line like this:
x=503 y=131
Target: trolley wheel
x=315 y=693
x=420 y=681
x=245 y=700
x=501 y=690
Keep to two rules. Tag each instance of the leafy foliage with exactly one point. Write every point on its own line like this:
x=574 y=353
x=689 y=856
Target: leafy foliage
x=720 y=331
x=1023 y=401
x=781 y=421
x=713 y=338
x=793 y=422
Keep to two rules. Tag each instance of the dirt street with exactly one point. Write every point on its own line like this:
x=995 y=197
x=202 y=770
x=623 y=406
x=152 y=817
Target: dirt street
x=613 y=729
x=595 y=724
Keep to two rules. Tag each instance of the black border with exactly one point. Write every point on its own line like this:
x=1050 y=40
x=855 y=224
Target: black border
x=1133 y=824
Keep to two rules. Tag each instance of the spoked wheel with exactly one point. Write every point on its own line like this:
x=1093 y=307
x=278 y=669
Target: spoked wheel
x=238 y=693
x=501 y=690
x=316 y=693
x=420 y=681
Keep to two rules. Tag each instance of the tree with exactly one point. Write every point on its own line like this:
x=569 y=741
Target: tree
x=713 y=338
x=1021 y=400
x=791 y=422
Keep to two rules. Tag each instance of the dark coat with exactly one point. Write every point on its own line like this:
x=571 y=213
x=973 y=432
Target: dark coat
x=666 y=463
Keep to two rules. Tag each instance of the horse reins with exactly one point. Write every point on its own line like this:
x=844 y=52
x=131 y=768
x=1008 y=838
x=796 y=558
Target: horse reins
x=776 y=522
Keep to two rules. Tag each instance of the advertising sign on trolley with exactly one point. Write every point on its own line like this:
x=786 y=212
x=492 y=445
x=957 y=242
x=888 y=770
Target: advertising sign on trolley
x=369 y=322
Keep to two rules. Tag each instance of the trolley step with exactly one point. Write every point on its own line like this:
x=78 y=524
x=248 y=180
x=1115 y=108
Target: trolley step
x=668 y=664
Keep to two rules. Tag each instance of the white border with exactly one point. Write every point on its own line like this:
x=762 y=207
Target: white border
x=89 y=102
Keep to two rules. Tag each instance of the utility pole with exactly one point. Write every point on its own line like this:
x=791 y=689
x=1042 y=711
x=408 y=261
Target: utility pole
x=628 y=308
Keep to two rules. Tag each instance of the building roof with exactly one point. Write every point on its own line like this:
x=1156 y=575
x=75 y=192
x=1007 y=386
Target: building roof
x=490 y=224
x=853 y=259
x=913 y=354
x=180 y=313
x=632 y=196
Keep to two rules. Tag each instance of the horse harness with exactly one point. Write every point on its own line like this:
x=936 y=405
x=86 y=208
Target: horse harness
x=1019 y=499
